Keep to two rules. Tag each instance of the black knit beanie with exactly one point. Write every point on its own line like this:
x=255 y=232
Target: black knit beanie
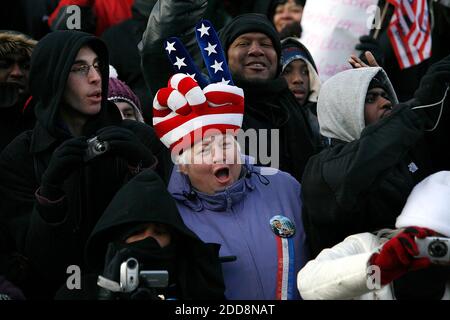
x=245 y=23
x=378 y=82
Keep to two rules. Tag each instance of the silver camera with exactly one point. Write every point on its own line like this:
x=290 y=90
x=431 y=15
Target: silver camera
x=95 y=148
x=131 y=277
x=435 y=248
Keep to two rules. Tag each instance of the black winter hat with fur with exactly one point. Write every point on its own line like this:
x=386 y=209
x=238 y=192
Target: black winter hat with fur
x=13 y=42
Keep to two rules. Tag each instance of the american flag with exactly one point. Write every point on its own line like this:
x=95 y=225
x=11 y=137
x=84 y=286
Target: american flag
x=410 y=32
x=212 y=53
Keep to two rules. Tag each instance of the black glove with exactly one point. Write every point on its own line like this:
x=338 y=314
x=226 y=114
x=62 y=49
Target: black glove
x=431 y=92
x=434 y=83
x=367 y=43
x=123 y=142
x=149 y=255
x=67 y=158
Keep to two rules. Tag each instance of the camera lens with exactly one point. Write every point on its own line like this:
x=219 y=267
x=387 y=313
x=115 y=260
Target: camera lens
x=437 y=249
x=100 y=147
x=131 y=263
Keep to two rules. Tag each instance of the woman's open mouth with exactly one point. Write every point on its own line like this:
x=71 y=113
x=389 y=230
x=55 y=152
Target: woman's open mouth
x=222 y=174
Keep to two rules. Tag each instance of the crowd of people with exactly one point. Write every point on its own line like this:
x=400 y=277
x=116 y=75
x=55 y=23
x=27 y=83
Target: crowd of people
x=121 y=154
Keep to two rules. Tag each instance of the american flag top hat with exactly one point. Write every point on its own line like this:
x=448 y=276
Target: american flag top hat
x=192 y=106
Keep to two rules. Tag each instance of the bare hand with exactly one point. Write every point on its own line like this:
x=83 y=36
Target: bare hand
x=356 y=62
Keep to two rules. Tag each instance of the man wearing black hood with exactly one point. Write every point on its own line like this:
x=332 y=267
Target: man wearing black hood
x=253 y=51
x=51 y=192
x=143 y=222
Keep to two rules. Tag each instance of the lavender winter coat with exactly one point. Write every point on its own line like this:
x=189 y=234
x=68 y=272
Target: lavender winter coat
x=239 y=218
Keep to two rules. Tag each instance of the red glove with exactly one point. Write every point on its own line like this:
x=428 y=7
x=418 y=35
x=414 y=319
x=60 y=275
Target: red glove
x=397 y=255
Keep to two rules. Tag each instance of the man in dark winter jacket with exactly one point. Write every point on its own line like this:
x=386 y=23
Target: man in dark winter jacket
x=56 y=180
x=15 y=54
x=253 y=51
x=377 y=155
x=143 y=222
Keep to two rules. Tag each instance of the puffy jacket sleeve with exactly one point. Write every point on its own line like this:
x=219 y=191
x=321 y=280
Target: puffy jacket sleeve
x=355 y=167
x=361 y=185
x=169 y=18
x=339 y=272
x=349 y=170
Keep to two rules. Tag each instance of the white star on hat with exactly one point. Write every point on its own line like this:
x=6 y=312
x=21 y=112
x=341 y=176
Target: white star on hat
x=180 y=63
x=217 y=66
x=203 y=30
x=211 y=48
x=191 y=75
x=170 y=47
x=225 y=81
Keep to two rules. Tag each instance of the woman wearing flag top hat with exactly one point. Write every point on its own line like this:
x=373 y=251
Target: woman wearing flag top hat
x=221 y=196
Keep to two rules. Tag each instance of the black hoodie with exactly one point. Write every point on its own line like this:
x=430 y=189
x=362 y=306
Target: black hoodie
x=143 y=200
x=270 y=104
x=52 y=236
x=51 y=63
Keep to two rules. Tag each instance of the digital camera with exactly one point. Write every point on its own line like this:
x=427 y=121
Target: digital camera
x=435 y=248
x=95 y=148
x=131 y=277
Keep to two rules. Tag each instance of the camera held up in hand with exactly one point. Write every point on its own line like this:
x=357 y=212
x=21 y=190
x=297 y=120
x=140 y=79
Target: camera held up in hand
x=95 y=148
x=435 y=248
x=132 y=278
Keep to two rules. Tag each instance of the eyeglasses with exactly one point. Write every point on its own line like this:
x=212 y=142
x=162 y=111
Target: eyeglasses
x=83 y=70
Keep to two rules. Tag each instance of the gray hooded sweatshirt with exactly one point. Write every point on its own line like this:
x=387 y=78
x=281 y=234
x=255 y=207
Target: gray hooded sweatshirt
x=340 y=107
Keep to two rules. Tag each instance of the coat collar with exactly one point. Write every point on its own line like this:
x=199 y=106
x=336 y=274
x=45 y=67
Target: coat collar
x=182 y=190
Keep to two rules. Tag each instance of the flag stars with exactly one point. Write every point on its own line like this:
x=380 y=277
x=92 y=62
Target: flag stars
x=170 y=47
x=211 y=48
x=217 y=66
x=225 y=81
x=203 y=30
x=191 y=75
x=180 y=63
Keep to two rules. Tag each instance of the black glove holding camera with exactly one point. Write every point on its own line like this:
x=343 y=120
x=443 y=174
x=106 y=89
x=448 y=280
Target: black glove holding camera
x=367 y=43
x=432 y=90
x=150 y=256
x=67 y=158
x=124 y=143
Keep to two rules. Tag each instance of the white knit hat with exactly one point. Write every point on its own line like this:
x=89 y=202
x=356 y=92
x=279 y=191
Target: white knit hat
x=428 y=205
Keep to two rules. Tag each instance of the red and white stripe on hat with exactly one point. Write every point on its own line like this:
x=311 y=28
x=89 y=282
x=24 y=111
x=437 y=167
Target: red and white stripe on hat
x=183 y=113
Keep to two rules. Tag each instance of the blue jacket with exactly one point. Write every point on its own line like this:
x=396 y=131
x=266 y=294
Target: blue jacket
x=239 y=218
